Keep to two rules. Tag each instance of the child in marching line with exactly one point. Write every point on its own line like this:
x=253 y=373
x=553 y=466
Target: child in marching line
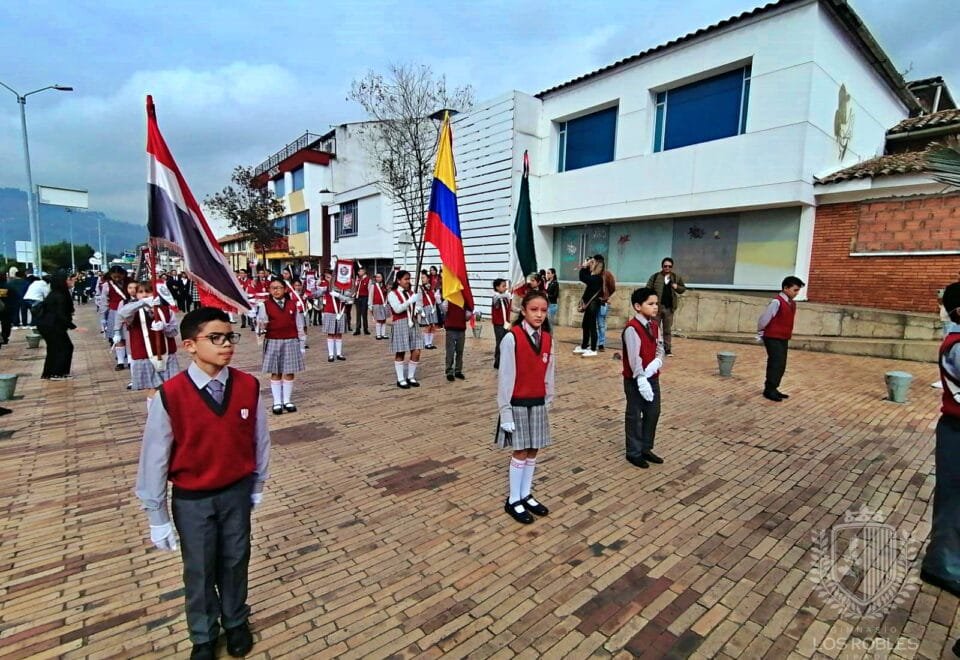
x=151 y=330
x=500 y=315
x=643 y=354
x=378 y=305
x=334 y=318
x=282 y=325
x=300 y=297
x=207 y=434
x=405 y=336
x=114 y=293
x=428 y=311
x=525 y=391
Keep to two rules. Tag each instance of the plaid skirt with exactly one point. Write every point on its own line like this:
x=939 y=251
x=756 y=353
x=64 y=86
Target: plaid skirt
x=533 y=429
x=144 y=375
x=332 y=325
x=282 y=356
x=429 y=315
x=111 y=324
x=403 y=338
x=379 y=313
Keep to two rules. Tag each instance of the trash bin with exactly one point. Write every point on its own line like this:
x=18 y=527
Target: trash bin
x=725 y=360
x=33 y=341
x=477 y=331
x=8 y=385
x=898 y=385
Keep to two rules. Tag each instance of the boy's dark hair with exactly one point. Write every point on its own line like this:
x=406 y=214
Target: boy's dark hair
x=192 y=324
x=951 y=301
x=640 y=296
x=791 y=280
x=497 y=282
x=665 y=260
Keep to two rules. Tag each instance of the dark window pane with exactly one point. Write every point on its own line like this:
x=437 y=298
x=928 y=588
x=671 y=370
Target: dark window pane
x=590 y=139
x=704 y=111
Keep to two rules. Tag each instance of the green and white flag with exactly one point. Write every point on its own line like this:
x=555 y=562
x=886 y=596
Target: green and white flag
x=523 y=258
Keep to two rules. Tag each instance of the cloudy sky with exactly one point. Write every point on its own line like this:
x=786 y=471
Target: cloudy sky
x=234 y=81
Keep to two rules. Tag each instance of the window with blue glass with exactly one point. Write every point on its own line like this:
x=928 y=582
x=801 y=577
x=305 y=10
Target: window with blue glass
x=706 y=110
x=297 y=179
x=278 y=188
x=299 y=222
x=282 y=225
x=587 y=140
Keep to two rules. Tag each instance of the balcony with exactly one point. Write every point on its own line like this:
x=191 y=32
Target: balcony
x=311 y=141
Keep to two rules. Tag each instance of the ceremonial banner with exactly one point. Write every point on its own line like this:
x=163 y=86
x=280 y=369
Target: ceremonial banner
x=343 y=277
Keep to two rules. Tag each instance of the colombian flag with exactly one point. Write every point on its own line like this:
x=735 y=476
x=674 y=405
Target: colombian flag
x=443 y=223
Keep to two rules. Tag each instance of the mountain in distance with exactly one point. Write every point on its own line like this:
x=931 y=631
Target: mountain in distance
x=55 y=221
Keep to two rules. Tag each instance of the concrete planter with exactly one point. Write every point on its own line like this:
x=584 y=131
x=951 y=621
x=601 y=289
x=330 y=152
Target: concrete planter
x=725 y=360
x=898 y=385
x=33 y=341
x=8 y=385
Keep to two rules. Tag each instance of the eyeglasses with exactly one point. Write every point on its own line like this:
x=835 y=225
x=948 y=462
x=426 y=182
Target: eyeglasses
x=666 y=266
x=218 y=338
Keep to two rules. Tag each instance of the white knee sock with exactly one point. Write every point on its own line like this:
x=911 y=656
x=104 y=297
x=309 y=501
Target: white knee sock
x=381 y=329
x=331 y=347
x=149 y=401
x=426 y=340
x=412 y=370
x=276 y=388
x=287 y=390
x=121 y=354
x=527 y=484
x=339 y=346
x=517 y=467
x=400 y=367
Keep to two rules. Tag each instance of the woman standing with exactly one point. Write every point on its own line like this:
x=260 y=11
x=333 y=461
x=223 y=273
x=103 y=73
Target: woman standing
x=553 y=295
x=591 y=274
x=55 y=317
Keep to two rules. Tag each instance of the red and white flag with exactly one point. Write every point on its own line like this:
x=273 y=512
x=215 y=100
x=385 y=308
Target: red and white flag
x=344 y=275
x=174 y=219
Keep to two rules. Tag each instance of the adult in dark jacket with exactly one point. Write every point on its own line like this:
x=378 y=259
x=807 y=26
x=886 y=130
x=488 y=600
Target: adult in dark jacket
x=55 y=318
x=16 y=287
x=591 y=274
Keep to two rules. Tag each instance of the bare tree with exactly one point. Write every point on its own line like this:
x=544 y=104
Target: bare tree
x=402 y=136
x=250 y=207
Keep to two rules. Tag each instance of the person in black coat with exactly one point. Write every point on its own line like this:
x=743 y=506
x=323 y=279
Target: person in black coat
x=53 y=320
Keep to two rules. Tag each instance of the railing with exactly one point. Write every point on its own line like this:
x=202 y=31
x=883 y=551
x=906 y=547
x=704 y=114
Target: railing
x=305 y=141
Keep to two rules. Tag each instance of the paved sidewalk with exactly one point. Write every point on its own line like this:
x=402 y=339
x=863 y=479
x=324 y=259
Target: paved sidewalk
x=382 y=531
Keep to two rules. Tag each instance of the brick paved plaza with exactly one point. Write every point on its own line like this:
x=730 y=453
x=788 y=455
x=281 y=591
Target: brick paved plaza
x=382 y=531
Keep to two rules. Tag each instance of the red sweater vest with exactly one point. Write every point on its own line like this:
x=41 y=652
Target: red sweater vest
x=137 y=345
x=403 y=296
x=429 y=297
x=781 y=325
x=456 y=318
x=328 y=304
x=648 y=345
x=950 y=406
x=363 y=287
x=212 y=450
x=115 y=297
x=281 y=322
x=379 y=297
x=500 y=312
x=530 y=386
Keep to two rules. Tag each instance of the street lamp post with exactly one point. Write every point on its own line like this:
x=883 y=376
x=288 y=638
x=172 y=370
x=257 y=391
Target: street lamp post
x=32 y=211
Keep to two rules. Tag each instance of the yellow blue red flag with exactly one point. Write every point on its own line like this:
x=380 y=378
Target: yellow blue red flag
x=443 y=223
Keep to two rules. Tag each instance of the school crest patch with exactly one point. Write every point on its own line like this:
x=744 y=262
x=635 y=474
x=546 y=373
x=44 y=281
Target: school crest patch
x=244 y=413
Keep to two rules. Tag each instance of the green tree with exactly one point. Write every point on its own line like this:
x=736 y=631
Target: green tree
x=943 y=161
x=250 y=207
x=58 y=257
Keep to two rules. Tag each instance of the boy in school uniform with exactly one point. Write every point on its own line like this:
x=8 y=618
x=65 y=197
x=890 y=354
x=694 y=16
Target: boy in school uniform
x=941 y=563
x=774 y=329
x=500 y=315
x=643 y=355
x=455 y=328
x=207 y=434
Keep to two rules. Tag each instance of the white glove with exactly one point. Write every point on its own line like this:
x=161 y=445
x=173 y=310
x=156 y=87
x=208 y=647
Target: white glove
x=645 y=388
x=652 y=368
x=116 y=338
x=157 y=326
x=759 y=337
x=155 y=301
x=255 y=499
x=163 y=537
x=508 y=427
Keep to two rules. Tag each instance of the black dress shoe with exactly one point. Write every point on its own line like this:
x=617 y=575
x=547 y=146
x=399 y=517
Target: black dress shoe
x=278 y=410
x=413 y=383
x=119 y=367
x=772 y=396
x=450 y=377
x=782 y=395
x=205 y=651
x=356 y=334
x=5 y=411
x=460 y=375
x=366 y=332
x=289 y=407
x=331 y=359
x=650 y=457
x=403 y=385
x=239 y=640
x=537 y=508
x=341 y=358
x=639 y=462
x=940 y=583
x=956 y=648
x=521 y=516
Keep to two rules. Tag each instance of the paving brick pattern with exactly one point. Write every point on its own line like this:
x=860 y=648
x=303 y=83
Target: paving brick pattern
x=382 y=532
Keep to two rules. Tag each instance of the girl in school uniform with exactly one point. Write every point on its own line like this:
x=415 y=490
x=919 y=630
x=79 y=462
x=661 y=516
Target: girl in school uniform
x=334 y=318
x=428 y=311
x=378 y=305
x=405 y=336
x=151 y=327
x=525 y=390
x=282 y=326
x=121 y=332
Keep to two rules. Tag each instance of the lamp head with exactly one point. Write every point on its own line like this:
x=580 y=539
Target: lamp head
x=63 y=88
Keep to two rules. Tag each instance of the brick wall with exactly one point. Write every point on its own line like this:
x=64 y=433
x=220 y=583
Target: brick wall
x=906 y=283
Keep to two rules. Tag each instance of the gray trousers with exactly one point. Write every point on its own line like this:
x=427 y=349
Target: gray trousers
x=215 y=547
x=640 y=419
x=666 y=327
x=455 y=342
x=499 y=332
